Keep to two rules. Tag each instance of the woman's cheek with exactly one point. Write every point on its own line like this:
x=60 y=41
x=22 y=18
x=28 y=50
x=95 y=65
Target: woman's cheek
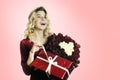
x=47 y=21
x=35 y=22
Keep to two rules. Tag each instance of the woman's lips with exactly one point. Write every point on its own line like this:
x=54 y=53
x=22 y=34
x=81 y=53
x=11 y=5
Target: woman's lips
x=42 y=23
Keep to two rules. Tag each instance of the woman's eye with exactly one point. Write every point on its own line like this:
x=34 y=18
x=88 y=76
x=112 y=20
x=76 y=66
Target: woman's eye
x=41 y=17
x=38 y=17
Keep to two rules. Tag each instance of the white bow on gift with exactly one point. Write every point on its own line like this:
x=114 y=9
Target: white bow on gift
x=51 y=62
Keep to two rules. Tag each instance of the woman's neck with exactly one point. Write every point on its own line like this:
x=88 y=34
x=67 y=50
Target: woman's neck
x=39 y=33
x=39 y=37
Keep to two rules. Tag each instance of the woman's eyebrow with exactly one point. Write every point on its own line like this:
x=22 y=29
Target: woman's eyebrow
x=38 y=14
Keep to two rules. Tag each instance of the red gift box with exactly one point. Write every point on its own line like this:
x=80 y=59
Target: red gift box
x=55 y=65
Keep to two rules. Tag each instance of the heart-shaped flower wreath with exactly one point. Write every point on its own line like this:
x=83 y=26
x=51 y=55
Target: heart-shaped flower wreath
x=65 y=47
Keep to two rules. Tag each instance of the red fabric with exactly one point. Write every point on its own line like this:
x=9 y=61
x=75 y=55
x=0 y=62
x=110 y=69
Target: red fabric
x=55 y=71
x=25 y=47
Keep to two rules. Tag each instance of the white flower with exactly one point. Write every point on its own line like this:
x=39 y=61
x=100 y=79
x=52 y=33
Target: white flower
x=68 y=47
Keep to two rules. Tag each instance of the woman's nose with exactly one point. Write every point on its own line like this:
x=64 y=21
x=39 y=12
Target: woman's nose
x=42 y=18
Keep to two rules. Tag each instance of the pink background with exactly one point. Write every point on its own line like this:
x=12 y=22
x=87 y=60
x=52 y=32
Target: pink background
x=94 y=24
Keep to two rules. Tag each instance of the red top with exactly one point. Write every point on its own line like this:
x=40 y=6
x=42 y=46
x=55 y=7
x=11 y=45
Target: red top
x=25 y=47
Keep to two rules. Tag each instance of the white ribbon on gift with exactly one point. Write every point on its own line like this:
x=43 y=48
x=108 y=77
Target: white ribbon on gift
x=51 y=62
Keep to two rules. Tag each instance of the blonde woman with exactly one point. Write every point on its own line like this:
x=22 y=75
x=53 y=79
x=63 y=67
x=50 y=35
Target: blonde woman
x=36 y=35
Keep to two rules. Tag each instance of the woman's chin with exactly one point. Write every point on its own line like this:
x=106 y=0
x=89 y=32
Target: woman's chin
x=41 y=28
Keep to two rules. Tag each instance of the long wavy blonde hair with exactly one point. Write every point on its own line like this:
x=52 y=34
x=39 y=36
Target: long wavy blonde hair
x=31 y=26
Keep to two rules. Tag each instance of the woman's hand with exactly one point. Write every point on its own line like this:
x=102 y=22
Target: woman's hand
x=36 y=47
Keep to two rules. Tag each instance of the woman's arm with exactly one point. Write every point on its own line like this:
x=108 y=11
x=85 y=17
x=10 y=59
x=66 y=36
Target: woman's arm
x=24 y=50
x=27 y=55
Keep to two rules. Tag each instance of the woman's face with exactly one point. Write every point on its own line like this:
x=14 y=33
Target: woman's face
x=40 y=20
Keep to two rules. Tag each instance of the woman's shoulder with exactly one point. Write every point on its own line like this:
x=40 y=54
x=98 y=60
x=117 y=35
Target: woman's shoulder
x=52 y=35
x=25 y=41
